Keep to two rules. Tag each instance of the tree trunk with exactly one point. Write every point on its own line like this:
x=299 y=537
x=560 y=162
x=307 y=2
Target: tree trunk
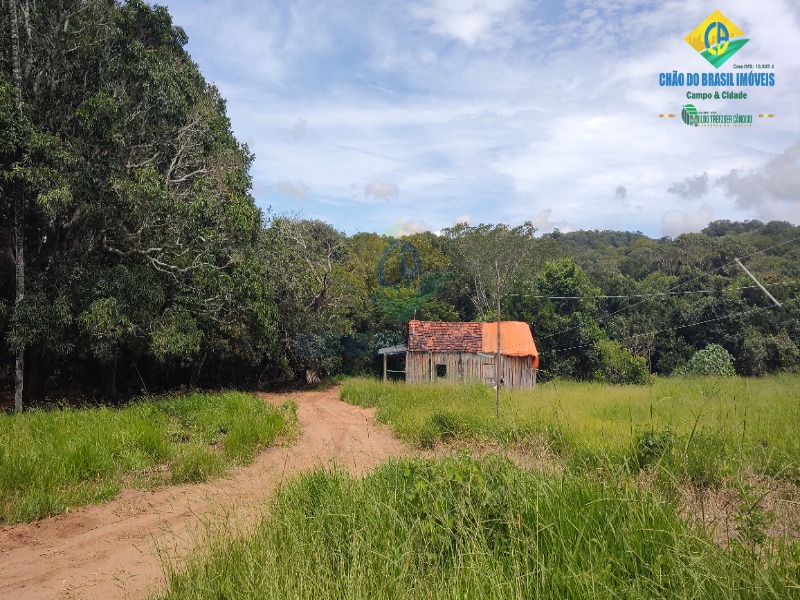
x=194 y=378
x=16 y=72
x=19 y=209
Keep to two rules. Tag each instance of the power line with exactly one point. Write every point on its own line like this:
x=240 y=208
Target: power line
x=676 y=328
x=659 y=331
x=668 y=292
x=768 y=249
x=680 y=285
x=653 y=295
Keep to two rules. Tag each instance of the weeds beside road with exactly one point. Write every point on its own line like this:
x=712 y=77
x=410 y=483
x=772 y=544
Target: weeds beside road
x=55 y=460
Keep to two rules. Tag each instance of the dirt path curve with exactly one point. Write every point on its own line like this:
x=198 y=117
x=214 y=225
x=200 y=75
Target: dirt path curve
x=111 y=550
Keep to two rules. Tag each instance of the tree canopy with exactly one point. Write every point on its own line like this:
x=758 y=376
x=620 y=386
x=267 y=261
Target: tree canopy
x=133 y=257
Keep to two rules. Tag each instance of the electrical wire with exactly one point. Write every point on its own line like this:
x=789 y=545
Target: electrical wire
x=680 y=285
x=671 y=292
x=659 y=331
x=653 y=295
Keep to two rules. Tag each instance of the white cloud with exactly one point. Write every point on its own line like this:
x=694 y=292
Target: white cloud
x=770 y=191
x=675 y=222
x=777 y=180
x=690 y=187
x=381 y=189
x=466 y=20
x=296 y=189
x=463 y=219
x=544 y=223
x=403 y=226
x=493 y=108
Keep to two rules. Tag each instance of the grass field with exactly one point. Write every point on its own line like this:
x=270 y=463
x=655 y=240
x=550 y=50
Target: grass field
x=54 y=460
x=465 y=527
x=701 y=430
x=461 y=527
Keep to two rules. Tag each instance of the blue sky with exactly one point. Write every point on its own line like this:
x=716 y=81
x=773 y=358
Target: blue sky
x=401 y=116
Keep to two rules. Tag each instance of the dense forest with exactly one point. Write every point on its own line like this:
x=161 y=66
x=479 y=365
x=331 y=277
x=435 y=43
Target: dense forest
x=133 y=258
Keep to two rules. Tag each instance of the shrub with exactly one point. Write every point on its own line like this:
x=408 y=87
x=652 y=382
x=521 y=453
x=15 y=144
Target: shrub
x=618 y=365
x=711 y=360
x=650 y=445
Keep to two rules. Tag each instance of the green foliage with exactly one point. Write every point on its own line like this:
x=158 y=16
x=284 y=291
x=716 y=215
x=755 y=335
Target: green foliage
x=412 y=297
x=762 y=354
x=177 y=336
x=650 y=446
x=711 y=360
x=483 y=252
x=566 y=330
x=106 y=327
x=753 y=520
x=442 y=425
x=140 y=230
x=399 y=303
x=467 y=528
x=147 y=260
x=54 y=460
x=619 y=366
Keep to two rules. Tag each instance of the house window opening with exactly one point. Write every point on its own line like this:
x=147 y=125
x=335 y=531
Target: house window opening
x=441 y=371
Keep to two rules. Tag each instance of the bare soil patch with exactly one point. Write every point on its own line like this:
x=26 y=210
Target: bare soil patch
x=113 y=550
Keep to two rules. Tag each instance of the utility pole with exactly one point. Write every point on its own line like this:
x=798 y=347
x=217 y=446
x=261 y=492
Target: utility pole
x=758 y=283
x=19 y=208
x=497 y=365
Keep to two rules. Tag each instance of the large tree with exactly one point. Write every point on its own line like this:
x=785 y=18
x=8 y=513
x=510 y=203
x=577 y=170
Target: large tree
x=130 y=207
x=482 y=254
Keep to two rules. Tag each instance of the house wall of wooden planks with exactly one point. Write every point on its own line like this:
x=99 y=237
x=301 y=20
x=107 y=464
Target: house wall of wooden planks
x=516 y=371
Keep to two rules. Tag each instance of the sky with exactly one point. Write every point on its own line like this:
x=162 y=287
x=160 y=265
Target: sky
x=397 y=116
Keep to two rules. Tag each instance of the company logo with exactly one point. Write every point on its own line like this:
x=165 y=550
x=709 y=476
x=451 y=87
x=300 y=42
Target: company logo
x=689 y=114
x=716 y=39
x=695 y=118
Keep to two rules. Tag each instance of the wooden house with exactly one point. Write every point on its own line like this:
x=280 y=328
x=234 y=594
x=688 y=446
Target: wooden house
x=466 y=352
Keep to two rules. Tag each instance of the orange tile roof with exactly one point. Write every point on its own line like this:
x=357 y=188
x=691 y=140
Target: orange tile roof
x=515 y=338
x=426 y=336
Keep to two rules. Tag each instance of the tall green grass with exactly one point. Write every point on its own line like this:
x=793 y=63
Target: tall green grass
x=699 y=429
x=53 y=460
x=466 y=528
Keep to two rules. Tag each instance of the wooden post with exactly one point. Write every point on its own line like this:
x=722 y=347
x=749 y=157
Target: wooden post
x=431 y=365
x=19 y=207
x=384 y=366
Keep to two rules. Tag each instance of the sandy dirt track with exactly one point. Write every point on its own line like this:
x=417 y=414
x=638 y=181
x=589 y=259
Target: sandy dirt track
x=111 y=550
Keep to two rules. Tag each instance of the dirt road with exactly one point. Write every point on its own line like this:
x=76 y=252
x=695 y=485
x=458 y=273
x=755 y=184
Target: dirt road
x=111 y=550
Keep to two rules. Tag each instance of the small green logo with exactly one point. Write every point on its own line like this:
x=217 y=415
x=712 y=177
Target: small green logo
x=689 y=114
x=717 y=38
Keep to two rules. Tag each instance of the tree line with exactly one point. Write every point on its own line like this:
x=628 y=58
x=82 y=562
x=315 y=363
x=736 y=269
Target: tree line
x=133 y=258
